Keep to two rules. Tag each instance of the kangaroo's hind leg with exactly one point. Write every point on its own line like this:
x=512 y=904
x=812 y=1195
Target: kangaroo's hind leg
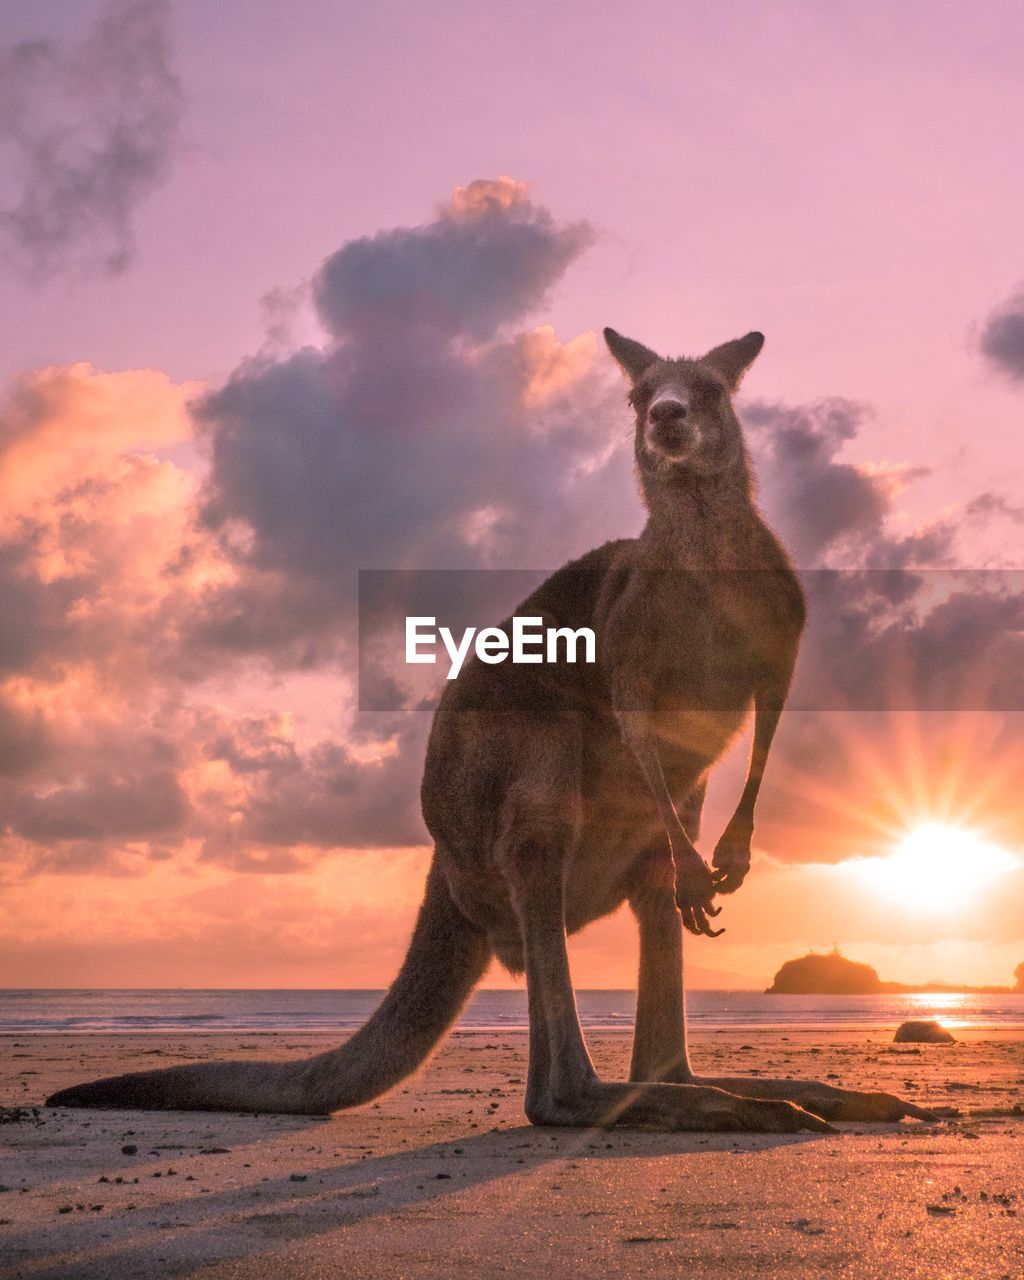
x=659 y=1036
x=659 y=1040
x=537 y=832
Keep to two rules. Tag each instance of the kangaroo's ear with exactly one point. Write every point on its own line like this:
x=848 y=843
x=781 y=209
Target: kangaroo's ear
x=733 y=359
x=633 y=357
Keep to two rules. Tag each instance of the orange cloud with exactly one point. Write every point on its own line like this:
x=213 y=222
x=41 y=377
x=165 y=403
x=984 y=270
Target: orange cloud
x=488 y=194
x=63 y=422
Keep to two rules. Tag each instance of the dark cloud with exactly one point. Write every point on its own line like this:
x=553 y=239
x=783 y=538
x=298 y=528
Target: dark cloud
x=825 y=508
x=35 y=615
x=93 y=129
x=133 y=805
x=324 y=798
x=255 y=744
x=24 y=739
x=421 y=434
x=1002 y=338
x=913 y=640
x=488 y=259
x=987 y=505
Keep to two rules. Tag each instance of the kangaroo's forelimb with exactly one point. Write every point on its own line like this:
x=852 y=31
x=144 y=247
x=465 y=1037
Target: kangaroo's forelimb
x=695 y=887
x=731 y=859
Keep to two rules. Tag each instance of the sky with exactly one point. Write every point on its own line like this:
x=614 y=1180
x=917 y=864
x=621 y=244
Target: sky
x=297 y=291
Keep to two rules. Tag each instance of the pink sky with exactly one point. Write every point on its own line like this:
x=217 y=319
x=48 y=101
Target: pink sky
x=844 y=177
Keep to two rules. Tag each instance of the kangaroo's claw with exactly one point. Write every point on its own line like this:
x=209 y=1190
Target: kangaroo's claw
x=695 y=920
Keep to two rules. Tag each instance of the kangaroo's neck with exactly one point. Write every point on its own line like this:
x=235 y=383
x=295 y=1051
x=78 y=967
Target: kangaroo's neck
x=707 y=522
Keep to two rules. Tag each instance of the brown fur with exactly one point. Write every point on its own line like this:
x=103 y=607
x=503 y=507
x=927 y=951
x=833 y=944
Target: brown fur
x=555 y=793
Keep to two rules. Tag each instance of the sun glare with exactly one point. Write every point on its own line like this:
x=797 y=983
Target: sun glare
x=935 y=868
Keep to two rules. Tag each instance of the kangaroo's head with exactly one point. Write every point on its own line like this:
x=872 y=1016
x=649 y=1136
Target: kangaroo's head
x=684 y=415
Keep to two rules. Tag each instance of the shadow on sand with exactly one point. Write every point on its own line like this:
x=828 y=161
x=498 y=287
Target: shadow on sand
x=190 y=1227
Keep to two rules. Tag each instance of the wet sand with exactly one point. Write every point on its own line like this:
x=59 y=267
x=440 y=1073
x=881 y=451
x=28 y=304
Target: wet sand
x=444 y=1177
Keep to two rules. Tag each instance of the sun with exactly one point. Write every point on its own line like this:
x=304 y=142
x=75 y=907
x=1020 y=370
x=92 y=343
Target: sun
x=935 y=868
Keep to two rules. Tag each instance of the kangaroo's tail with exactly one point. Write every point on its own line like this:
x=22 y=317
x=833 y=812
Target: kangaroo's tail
x=447 y=956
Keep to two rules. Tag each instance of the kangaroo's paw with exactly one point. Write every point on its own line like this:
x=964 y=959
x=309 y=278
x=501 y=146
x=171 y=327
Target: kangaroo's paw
x=695 y=892
x=731 y=862
x=824 y=1099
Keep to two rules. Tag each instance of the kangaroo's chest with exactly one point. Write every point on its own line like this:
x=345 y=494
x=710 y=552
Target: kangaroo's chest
x=714 y=656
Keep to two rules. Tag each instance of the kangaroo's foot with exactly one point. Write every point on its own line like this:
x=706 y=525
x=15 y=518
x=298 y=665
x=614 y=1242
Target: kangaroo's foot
x=672 y=1107
x=822 y=1099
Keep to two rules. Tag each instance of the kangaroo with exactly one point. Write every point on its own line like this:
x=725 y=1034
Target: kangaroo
x=554 y=793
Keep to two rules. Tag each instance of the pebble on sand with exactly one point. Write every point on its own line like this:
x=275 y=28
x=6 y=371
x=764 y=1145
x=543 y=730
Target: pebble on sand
x=923 y=1033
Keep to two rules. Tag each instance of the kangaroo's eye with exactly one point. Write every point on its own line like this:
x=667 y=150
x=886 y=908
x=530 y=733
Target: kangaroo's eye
x=709 y=394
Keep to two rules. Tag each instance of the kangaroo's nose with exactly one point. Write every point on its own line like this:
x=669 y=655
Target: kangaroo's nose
x=665 y=412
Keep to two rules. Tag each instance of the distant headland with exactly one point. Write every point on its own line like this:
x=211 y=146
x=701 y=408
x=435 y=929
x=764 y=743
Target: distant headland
x=833 y=974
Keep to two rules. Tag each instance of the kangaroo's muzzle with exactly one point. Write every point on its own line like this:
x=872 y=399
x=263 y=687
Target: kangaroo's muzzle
x=670 y=427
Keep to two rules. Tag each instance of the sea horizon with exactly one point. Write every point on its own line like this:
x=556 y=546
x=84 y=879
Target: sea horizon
x=252 y=1010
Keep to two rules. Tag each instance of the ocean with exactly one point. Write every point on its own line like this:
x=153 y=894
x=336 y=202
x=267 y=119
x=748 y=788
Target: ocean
x=26 y=1012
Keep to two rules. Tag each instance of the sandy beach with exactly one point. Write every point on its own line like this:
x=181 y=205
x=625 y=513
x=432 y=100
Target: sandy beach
x=444 y=1176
